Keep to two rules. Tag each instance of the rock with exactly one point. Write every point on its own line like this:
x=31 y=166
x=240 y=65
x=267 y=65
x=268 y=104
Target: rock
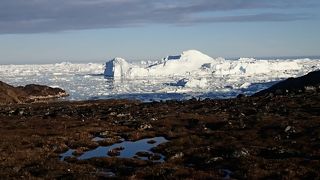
x=10 y=94
x=29 y=93
x=177 y=156
x=151 y=141
x=79 y=151
x=306 y=83
x=288 y=128
x=241 y=96
x=143 y=154
x=145 y=126
x=40 y=92
x=154 y=157
x=121 y=148
x=114 y=152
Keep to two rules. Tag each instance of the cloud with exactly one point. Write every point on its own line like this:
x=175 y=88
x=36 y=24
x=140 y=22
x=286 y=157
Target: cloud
x=32 y=16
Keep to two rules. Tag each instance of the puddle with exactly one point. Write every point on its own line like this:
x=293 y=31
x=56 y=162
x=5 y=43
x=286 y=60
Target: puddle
x=66 y=154
x=126 y=149
x=129 y=151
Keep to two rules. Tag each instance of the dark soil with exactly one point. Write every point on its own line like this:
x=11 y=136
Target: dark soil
x=266 y=137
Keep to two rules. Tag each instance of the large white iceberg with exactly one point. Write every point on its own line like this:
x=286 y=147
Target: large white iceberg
x=195 y=63
x=185 y=64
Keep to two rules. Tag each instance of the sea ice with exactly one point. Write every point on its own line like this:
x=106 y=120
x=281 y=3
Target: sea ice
x=190 y=74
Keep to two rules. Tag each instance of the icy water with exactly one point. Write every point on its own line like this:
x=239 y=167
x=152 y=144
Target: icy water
x=87 y=82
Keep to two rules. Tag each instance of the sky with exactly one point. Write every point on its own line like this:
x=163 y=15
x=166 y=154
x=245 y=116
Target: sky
x=47 y=31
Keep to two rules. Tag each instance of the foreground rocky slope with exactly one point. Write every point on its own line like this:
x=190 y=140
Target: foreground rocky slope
x=28 y=93
x=262 y=137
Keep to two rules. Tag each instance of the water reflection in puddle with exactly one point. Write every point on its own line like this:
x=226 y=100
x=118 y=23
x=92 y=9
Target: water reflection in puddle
x=66 y=154
x=129 y=151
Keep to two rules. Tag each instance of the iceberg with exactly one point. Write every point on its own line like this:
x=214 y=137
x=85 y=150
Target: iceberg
x=246 y=66
x=195 y=63
x=117 y=67
x=185 y=64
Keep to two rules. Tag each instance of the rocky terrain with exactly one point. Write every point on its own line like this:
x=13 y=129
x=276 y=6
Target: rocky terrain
x=266 y=136
x=309 y=82
x=28 y=93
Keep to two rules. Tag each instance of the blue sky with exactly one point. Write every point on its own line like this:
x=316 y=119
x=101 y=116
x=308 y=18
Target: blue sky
x=45 y=31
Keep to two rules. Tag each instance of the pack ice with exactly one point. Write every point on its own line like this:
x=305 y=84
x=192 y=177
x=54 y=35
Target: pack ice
x=190 y=74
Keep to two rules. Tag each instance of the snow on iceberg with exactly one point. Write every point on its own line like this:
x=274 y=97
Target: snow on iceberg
x=188 y=62
x=195 y=63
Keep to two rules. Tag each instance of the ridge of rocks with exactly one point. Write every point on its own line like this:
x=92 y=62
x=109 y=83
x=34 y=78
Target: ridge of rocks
x=29 y=93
